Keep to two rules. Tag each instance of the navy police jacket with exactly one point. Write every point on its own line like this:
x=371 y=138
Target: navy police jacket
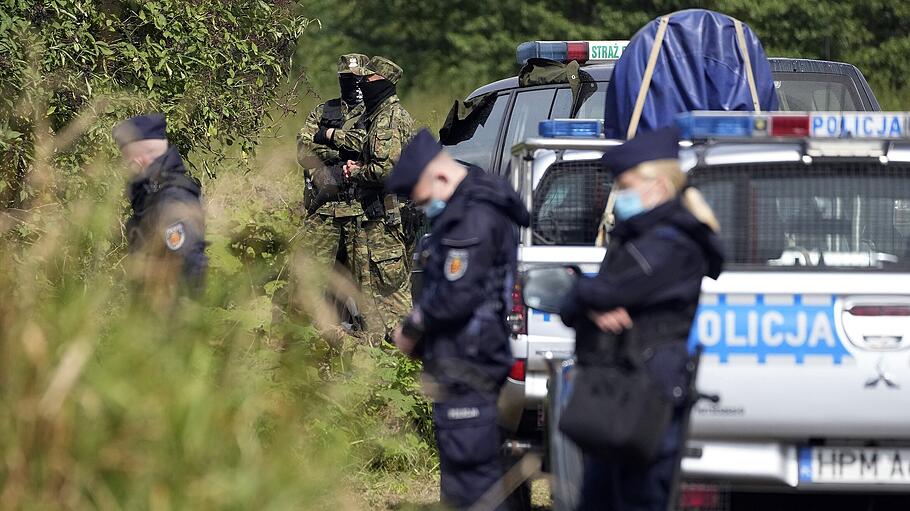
x=468 y=281
x=653 y=268
x=167 y=225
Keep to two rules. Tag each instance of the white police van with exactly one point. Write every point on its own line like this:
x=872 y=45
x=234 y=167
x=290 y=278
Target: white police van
x=508 y=111
x=806 y=334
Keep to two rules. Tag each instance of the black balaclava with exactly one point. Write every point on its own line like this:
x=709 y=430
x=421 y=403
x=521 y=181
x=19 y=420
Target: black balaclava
x=350 y=89
x=376 y=92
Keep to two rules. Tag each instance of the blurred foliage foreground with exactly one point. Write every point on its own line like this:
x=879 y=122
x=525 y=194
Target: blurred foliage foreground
x=106 y=404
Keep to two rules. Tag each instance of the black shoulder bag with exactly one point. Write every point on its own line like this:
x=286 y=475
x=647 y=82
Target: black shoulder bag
x=616 y=411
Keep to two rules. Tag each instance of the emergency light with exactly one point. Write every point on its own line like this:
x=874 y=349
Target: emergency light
x=856 y=125
x=567 y=51
x=570 y=128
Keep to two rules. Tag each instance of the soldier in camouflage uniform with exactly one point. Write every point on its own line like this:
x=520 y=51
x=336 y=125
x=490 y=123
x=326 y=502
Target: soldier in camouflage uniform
x=332 y=210
x=380 y=241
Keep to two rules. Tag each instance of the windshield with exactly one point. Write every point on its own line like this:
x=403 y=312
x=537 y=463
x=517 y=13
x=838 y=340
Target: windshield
x=828 y=215
x=813 y=92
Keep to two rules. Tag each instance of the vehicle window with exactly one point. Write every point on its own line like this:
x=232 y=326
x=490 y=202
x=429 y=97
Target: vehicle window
x=478 y=150
x=569 y=203
x=530 y=108
x=816 y=92
x=833 y=215
x=592 y=108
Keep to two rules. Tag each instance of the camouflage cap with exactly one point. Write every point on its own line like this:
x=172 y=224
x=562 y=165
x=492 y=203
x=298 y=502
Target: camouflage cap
x=385 y=68
x=354 y=63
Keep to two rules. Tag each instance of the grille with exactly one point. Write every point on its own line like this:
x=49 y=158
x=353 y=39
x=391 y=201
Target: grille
x=829 y=214
x=569 y=202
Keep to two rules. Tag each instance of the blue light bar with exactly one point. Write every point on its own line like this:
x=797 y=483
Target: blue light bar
x=698 y=125
x=571 y=128
x=841 y=125
x=553 y=50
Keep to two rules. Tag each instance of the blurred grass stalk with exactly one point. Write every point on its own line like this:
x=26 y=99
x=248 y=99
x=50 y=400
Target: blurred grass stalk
x=106 y=403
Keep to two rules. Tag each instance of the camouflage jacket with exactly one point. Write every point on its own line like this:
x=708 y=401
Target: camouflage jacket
x=311 y=155
x=387 y=130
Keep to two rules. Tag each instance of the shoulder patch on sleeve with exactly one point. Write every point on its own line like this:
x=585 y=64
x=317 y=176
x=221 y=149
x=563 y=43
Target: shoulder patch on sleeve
x=175 y=236
x=456 y=264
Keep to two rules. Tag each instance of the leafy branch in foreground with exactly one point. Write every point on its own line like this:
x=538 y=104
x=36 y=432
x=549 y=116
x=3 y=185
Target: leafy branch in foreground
x=214 y=68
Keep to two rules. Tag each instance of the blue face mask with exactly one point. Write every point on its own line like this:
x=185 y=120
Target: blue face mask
x=628 y=204
x=433 y=208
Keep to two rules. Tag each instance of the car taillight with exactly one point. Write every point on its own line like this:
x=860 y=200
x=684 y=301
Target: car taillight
x=702 y=497
x=518 y=317
x=519 y=369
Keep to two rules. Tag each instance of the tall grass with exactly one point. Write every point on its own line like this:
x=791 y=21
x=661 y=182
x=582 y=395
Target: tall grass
x=108 y=403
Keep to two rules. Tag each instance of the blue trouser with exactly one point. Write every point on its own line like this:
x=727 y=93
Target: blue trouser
x=469 y=443
x=614 y=487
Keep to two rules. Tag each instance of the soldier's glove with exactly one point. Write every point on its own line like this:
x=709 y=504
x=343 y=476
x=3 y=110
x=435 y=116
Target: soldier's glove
x=320 y=137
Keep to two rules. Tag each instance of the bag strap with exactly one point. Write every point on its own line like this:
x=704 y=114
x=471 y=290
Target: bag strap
x=607 y=221
x=646 y=78
x=741 y=40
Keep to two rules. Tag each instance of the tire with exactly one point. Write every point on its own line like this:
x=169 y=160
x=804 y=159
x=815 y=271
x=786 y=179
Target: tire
x=565 y=459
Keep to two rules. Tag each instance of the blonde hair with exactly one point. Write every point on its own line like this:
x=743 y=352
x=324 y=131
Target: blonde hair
x=691 y=198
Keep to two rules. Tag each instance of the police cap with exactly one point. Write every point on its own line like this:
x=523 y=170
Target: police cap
x=414 y=158
x=353 y=63
x=662 y=144
x=140 y=127
x=385 y=68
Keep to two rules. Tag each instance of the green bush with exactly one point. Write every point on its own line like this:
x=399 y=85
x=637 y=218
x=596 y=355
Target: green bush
x=213 y=67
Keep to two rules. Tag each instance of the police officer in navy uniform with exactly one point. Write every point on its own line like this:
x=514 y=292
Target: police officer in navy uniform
x=458 y=327
x=167 y=227
x=663 y=244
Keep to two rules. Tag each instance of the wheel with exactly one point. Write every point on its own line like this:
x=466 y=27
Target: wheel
x=565 y=459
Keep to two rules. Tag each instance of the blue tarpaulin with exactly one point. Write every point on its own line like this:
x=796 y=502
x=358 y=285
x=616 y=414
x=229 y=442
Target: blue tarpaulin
x=699 y=67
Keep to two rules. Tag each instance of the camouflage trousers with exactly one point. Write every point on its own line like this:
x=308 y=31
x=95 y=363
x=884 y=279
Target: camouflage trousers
x=384 y=273
x=325 y=237
x=323 y=242
x=377 y=261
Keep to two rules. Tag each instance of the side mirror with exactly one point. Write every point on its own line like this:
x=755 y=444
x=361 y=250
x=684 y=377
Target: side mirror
x=545 y=288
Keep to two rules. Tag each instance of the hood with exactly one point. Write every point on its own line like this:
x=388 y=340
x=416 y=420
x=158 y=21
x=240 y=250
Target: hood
x=675 y=214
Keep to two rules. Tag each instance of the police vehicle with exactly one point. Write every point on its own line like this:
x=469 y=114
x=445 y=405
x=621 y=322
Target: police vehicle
x=806 y=334
x=505 y=113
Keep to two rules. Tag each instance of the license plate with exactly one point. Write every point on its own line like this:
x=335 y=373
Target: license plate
x=849 y=465
x=858 y=125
